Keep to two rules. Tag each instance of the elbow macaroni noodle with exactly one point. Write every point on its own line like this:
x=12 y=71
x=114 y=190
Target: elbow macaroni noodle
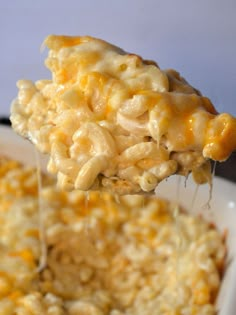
x=114 y=121
x=104 y=257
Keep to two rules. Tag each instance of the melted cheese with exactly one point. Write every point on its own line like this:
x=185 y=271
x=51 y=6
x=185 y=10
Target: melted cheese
x=103 y=256
x=101 y=102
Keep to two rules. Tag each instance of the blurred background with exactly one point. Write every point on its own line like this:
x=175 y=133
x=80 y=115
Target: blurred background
x=197 y=38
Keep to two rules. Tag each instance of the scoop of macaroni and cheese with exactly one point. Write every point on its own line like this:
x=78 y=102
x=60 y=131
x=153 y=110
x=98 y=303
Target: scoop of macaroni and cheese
x=114 y=121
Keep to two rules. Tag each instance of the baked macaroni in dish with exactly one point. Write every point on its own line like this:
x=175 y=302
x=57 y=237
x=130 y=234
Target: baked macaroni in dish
x=111 y=120
x=104 y=257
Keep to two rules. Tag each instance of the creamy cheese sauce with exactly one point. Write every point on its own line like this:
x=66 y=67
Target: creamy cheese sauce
x=111 y=120
x=103 y=257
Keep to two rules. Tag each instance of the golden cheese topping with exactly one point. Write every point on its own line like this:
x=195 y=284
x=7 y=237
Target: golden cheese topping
x=104 y=257
x=113 y=121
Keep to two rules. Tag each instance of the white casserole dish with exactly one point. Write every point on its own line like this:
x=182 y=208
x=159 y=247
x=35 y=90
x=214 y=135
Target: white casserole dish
x=222 y=212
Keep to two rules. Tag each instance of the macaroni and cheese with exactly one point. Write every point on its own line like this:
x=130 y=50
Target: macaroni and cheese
x=104 y=257
x=114 y=121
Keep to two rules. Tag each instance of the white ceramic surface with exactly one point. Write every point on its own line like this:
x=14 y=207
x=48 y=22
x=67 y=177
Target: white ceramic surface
x=222 y=211
x=13 y=146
